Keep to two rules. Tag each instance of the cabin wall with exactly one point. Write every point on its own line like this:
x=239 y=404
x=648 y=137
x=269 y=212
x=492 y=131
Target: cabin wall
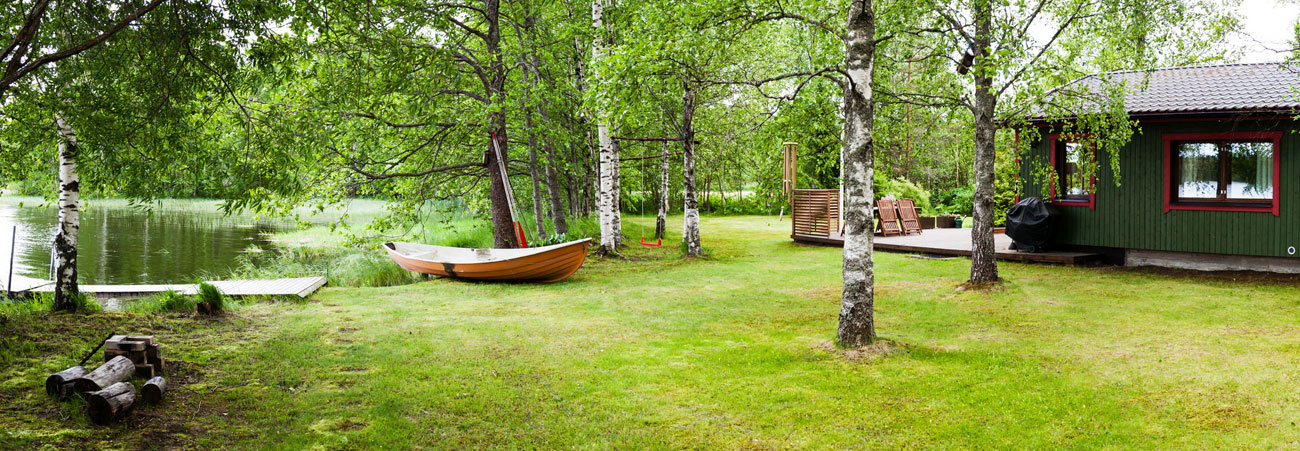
x=1131 y=215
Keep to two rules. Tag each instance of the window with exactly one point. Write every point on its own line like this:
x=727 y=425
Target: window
x=1073 y=186
x=1222 y=171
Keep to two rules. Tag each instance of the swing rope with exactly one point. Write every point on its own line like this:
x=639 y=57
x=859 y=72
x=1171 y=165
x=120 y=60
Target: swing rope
x=646 y=175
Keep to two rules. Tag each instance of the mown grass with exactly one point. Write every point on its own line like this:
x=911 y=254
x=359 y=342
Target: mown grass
x=730 y=351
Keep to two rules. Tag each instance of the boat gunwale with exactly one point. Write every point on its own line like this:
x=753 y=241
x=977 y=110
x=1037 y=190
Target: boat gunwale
x=392 y=249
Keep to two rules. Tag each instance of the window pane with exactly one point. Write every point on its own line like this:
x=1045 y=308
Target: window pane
x=1198 y=170
x=1073 y=178
x=1251 y=169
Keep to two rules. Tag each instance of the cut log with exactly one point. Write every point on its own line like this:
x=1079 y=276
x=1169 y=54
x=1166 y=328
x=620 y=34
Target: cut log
x=147 y=339
x=117 y=370
x=110 y=353
x=153 y=390
x=152 y=353
x=111 y=404
x=59 y=385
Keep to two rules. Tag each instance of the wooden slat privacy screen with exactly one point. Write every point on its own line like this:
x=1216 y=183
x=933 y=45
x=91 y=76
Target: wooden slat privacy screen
x=816 y=212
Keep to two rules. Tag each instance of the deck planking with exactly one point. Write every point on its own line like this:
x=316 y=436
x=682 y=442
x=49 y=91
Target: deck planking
x=956 y=242
x=297 y=286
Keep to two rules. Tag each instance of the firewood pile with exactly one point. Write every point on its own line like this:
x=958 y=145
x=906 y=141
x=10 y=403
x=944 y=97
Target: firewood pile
x=108 y=390
x=140 y=349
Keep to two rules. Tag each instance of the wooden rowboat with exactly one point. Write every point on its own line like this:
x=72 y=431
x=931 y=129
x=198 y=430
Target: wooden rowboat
x=539 y=264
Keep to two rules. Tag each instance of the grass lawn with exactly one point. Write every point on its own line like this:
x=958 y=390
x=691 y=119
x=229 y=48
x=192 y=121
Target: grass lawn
x=725 y=352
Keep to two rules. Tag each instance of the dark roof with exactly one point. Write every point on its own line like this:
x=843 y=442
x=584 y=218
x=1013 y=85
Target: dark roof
x=1221 y=88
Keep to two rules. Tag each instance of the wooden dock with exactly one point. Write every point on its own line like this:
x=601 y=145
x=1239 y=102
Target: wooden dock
x=298 y=286
x=956 y=242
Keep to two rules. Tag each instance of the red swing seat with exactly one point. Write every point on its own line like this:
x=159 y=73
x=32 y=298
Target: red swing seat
x=657 y=243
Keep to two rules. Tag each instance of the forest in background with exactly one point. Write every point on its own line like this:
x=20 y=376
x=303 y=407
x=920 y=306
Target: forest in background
x=272 y=105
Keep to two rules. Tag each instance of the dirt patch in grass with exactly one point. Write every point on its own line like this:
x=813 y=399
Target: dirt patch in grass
x=880 y=349
x=1218 y=409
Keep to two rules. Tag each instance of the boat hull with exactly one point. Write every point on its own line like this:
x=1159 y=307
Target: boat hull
x=549 y=264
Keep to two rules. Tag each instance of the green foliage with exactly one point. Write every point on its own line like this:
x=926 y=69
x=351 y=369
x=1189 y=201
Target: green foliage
x=167 y=301
x=370 y=269
x=959 y=201
x=901 y=189
x=211 y=295
x=26 y=305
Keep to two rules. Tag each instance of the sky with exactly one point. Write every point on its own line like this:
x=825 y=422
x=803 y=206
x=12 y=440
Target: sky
x=1268 y=26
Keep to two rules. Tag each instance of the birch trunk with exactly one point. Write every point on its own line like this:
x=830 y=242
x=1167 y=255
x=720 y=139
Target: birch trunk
x=65 y=238
x=661 y=221
x=539 y=215
x=857 y=306
x=558 y=220
x=531 y=79
x=691 y=207
x=605 y=198
x=984 y=266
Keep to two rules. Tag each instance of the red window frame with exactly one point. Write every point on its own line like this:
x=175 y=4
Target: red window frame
x=1054 y=139
x=1275 y=137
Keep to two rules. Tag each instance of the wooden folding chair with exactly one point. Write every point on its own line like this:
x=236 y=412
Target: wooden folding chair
x=888 y=218
x=907 y=216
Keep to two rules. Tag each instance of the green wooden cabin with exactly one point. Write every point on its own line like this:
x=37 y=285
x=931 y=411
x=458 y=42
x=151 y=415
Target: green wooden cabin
x=1211 y=181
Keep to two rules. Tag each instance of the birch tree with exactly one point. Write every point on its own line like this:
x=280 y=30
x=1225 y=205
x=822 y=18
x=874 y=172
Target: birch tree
x=607 y=204
x=857 y=325
x=69 y=222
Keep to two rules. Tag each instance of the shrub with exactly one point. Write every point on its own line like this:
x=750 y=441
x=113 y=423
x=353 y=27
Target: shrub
x=211 y=295
x=167 y=301
x=901 y=188
x=959 y=201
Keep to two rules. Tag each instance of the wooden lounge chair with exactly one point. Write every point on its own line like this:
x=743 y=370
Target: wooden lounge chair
x=888 y=218
x=907 y=216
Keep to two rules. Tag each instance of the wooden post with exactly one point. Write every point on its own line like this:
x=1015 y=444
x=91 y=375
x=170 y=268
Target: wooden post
x=112 y=403
x=59 y=385
x=117 y=370
x=153 y=390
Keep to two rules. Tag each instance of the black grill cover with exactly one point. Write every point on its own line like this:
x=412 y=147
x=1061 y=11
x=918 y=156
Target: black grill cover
x=1029 y=223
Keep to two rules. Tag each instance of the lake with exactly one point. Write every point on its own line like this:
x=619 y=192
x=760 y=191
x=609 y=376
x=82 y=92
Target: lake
x=124 y=244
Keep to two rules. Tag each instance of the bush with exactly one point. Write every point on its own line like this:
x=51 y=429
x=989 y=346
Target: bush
x=167 y=301
x=958 y=201
x=211 y=295
x=901 y=188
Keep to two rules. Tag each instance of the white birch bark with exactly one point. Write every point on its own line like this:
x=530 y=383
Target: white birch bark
x=606 y=207
x=984 y=264
x=857 y=305
x=69 y=224
x=691 y=206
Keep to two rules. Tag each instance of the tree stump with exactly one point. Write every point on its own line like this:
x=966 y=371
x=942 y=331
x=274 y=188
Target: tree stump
x=111 y=404
x=153 y=390
x=117 y=370
x=60 y=384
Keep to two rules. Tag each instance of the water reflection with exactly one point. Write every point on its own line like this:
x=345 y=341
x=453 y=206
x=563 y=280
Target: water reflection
x=128 y=245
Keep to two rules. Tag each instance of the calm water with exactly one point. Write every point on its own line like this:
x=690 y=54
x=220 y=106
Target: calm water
x=128 y=245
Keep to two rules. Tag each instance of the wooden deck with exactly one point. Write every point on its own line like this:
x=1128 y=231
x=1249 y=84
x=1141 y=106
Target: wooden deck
x=956 y=242
x=299 y=286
